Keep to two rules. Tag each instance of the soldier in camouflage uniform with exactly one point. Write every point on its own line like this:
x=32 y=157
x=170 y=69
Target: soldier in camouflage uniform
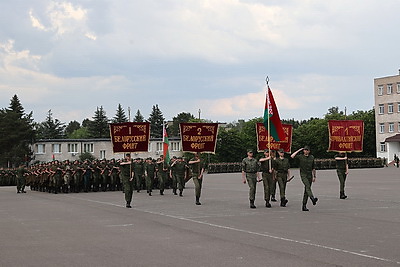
x=114 y=175
x=149 y=172
x=282 y=168
x=126 y=168
x=162 y=171
x=21 y=173
x=342 y=169
x=180 y=168
x=267 y=165
x=172 y=174
x=250 y=168
x=138 y=173
x=197 y=170
x=307 y=174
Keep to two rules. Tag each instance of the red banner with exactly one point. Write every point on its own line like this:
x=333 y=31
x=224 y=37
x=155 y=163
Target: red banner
x=130 y=136
x=199 y=137
x=346 y=136
x=262 y=138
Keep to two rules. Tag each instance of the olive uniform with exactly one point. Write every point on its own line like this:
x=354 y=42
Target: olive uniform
x=250 y=167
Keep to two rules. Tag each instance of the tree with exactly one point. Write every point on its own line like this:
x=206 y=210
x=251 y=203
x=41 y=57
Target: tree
x=120 y=115
x=50 y=128
x=369 y=149
x=138 y=117
x=156 y=120
x=99 y=128
x=71 y=127
x=16 y=134
x=180 y=118
x=229 y=146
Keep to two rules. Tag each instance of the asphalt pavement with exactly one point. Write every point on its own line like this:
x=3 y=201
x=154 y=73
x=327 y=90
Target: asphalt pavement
x=95 y=229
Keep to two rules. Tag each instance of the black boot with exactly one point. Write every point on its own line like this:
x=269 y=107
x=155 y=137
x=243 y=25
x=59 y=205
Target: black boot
x=128 y=205
x=273 y=198
x=180 y=193
x=267 y=204
x=342 y=195
x=284 y=201
x=314 y=200
x=198 y=201
x=252 y=206
x=304 y=208
x=161 y=192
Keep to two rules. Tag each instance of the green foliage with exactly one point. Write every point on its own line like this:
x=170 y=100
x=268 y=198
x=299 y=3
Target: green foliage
x=86 y=156
x=81 y=133
x=156 y=120
x=120 y=115
x=71 y=127
x=138 y=117
x=16 y=134
x=99 y=127
x=180 y=118
x=50 y=128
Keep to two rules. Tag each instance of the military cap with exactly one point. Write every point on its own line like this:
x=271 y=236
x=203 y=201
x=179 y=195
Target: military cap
x=281 y=150
x=249 y=150
x=306 y=148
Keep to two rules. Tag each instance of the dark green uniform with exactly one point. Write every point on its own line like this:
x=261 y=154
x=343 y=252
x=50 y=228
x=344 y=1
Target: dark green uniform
x=150 y=170
x=306 y=165
x=179 y=168
x=282 y=167
x=197 y=170
x=138 y=174
x=250 y=166
x=341 y=169
x=268 y=180
x=21 y=171
x=126 y=169
x=162 y=174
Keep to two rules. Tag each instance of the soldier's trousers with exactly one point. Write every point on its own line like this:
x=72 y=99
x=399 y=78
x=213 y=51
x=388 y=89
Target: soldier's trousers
x=282 y=180
x=307 y=181
x=149 y=182
x=162 y=176
x=197 y=185
x=174 y=182
x=252 y=182
x=267 y=182
x=138 y=180
x=181 y=181
x=342 y=179
x=20 y=184
x=128 y=189
x=272 y=190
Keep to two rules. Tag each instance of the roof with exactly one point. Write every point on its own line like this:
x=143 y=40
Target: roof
x=394 y=138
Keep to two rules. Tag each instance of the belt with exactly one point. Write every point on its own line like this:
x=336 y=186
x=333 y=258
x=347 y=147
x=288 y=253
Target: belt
x=251 y=172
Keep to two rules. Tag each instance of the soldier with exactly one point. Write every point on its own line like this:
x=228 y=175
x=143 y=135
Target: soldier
x=342 y=169
x=105 y=174
x=274 y=180
x=267 y=167
x=139 y=172
x=87 y=175
x=162 y=171
x=197 y=170
x=68 y=179
x=149 y=171
x=282 y=168
x=96 y=175
x=114 y=175
x=180 y=167
x=173 y=175
x=21 y=173
x=77 y=176
x=250 y=168
x=307 y=174
x=126 y=168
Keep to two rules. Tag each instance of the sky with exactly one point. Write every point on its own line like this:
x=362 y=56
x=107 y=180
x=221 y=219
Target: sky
x=71 y=57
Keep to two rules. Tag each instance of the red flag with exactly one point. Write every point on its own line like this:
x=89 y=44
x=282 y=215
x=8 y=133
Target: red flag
x=165 y=145
x=271 y=113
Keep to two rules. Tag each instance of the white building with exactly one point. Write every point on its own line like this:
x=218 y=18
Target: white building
x=387 y=116
x=63 y=149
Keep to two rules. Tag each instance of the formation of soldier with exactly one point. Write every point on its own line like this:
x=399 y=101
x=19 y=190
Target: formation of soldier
x=125 y=175
x=277 y=170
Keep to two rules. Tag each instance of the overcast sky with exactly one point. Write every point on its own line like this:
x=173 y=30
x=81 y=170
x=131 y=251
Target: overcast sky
x=186 y=55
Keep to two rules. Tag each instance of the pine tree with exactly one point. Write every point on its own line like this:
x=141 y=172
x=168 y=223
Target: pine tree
x=156 y=120
x=138 y=117
x=99 y=128
x=181 y=117
x=72 y=127
x=50 y=128
x=16 y=134
x=120 y=116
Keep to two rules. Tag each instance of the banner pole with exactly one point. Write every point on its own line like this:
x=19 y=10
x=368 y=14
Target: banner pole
x=269 y=126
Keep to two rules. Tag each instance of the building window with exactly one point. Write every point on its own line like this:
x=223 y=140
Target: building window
x=102 y=154
x=40 y=148
x=391 y=127
x=381 y=109
x=398 y=127
x=175 y=146
x=159 y=146
x=383 y=147
x=398 y=88
x=381 y=127
x=390 y=108
x=398 y=107
x=389 y=89
x=56 y=148
x=72 y=148
x=380 y=90
x=88 y=148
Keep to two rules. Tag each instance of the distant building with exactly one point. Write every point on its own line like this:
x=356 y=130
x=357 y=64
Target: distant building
x=387 y=116
x=101 y=148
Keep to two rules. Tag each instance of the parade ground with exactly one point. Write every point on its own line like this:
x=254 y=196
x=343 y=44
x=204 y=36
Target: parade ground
x=95 y=229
